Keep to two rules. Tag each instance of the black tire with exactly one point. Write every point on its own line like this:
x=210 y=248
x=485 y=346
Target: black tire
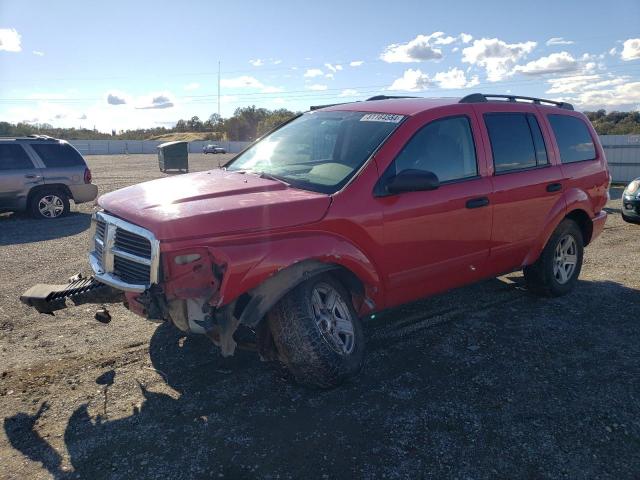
x=541 y=277
x=50 y=195
x=308 y=352
x=630 y=220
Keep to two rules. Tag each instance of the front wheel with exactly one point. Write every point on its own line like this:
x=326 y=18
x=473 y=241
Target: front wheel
x=317 y=332
x=556 y=272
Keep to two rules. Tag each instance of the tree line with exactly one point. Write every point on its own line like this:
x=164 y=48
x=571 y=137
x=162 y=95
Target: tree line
x=248 y=123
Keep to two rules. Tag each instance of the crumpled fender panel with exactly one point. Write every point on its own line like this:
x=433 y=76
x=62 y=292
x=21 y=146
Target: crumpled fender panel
x=196 y=279
x=251 y=265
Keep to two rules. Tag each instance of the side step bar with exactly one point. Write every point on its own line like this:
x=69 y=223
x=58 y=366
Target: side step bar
x=49 y=298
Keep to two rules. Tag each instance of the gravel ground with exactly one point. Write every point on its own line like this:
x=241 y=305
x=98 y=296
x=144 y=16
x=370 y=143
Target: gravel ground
x=486 y=381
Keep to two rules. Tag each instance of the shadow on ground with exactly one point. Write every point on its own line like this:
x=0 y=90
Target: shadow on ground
x=17 y=228
x=486 y=381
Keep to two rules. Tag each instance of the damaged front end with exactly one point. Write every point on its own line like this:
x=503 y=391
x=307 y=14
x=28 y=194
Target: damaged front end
x=182 y=289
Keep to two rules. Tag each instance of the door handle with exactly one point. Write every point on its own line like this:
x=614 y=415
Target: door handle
x=554 y=187
x=32 y=176
x=477 y=202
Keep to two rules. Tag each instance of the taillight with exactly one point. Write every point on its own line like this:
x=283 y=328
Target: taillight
x=87 y=175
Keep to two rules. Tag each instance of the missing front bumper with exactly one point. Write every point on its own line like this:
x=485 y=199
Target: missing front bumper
x=50 y=298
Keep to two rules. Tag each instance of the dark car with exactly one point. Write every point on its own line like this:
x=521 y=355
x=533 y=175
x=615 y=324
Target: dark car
x=213 y=148
x=631 y=202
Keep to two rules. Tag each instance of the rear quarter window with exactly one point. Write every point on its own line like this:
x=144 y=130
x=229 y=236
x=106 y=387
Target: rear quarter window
x=58 y=154
x=573 y=138
x=13 y=157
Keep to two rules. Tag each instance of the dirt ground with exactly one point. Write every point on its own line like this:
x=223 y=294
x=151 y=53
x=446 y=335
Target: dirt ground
x=486 y=381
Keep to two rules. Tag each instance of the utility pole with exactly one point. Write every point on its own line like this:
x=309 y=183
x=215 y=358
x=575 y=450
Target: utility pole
x=218 y=88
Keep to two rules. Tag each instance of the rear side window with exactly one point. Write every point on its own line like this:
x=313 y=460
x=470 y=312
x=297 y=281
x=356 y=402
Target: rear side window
x=13 y=157
x=516 y=141
x=58 y=154
x=573 y=138
x=444 y=147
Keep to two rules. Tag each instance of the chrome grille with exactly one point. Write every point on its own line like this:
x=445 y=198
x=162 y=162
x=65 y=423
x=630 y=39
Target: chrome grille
x=125 y=255
x=131 y=243
x=130 y=272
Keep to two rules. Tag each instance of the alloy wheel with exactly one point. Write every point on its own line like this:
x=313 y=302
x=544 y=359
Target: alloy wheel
x=333 y=318
x=565 y=259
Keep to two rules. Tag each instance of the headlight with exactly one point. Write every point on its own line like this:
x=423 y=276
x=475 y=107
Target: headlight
x=633 y=187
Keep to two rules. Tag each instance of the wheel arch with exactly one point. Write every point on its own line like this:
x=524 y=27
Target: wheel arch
x=48 y=186
x=252 y=306
x=574 y=204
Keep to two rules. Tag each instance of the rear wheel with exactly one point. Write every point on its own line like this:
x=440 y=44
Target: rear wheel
x=317 y=332
x=556 y=272
x=49 y=203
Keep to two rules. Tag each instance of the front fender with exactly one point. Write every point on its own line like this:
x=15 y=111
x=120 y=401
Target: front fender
x=250 y=266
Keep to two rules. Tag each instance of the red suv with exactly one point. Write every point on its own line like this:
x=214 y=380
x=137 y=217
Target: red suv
x=354 y=208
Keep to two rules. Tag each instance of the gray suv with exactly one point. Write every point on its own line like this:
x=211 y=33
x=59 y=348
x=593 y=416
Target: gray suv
x=41 y=174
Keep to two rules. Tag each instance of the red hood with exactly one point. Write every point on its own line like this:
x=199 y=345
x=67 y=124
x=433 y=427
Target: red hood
x=213 y=203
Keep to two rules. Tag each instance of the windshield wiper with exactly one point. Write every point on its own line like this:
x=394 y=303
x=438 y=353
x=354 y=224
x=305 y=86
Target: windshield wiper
x=271 y=176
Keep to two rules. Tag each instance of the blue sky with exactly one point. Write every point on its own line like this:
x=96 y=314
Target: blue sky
x=119 y=65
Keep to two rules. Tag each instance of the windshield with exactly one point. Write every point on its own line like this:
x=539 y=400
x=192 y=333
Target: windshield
x=318 y=151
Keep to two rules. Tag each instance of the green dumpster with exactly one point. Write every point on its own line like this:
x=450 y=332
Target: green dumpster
x=173 y=156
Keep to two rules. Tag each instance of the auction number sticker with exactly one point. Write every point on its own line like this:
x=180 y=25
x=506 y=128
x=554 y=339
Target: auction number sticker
x=381 y=117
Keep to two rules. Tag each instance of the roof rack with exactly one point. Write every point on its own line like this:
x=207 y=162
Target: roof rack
x=483 y=98
x=41 y=137
x=318 y=107
x=387 y=97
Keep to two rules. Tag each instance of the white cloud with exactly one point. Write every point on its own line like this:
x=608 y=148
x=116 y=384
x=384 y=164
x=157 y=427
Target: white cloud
x=455 y=78
x=613 y=51
x=313 y=72
x=465 y=37
x=579 y=83
x=562 y=62
x=317 y=87
x=257 y=62
x=243 y=81
x=496 y=56
x=442 y=39
x=417 y=50
x=10 y=40
x=38 y=53
x=621 y=97
x=333 y=68
x=349 y=92
x=329 y=76
x=631 y=49
x=356 y=63
x=277 y=62
x=192 y=86
x=412 y=81
x=559 y=41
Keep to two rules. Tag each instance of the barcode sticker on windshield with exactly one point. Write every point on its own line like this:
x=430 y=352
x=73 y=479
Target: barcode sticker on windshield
x=381 y=117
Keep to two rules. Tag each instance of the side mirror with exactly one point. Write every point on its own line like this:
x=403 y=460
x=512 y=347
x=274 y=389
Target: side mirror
x=412 y=181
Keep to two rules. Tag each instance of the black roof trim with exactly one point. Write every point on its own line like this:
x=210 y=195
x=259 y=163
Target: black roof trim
x=318 y=107
x=483 y=98
x=387 y=97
